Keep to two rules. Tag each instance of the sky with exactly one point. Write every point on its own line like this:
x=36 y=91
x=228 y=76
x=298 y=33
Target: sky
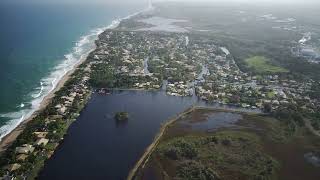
x=289 y=2
x=250 y=1
x=132 y=1
x=75 y=1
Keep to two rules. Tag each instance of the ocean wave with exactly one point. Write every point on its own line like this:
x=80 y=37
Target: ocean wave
x=81 y=49
x=40 y=93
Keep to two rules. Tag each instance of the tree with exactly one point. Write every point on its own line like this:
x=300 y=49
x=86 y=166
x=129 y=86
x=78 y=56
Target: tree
x=235 y=99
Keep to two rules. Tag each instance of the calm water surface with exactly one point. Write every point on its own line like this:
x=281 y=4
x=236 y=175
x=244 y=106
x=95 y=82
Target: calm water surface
x=97 y=147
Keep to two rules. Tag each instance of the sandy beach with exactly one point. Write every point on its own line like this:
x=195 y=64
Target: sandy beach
x=11 y=137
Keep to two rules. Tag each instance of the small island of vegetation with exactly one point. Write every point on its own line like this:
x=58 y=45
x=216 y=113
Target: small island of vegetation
x=121 y=116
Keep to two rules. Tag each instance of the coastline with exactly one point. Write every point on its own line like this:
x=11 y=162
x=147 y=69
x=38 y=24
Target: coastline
x=11 y=137
x=62 y=152
x=8 y=139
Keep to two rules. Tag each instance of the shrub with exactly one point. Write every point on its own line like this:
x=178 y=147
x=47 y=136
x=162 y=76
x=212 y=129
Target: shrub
x=226 y=142
x=180 y=149
x=172 y=153
x=187 y=149
x=192 y=170
x=211 y=139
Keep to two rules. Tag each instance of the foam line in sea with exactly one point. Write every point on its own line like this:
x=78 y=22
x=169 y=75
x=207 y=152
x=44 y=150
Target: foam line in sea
x=81 y=49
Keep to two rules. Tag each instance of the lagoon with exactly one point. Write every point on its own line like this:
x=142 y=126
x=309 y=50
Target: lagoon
x=99 y=147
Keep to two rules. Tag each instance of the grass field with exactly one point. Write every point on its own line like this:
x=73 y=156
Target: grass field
x=261 y=65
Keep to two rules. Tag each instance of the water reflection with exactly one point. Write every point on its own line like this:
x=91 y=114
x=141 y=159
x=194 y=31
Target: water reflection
x=213 y=121
x=313 y=158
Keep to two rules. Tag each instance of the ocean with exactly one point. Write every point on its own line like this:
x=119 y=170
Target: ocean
x=39 y=43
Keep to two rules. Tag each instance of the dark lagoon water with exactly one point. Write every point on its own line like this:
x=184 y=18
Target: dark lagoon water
x=97 y=147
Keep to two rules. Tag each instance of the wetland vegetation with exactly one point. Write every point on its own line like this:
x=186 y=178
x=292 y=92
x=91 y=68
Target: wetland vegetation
x=254 y=147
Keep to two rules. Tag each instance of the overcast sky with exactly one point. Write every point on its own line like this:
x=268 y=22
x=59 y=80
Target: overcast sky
x=251 y=1
x=145 y=1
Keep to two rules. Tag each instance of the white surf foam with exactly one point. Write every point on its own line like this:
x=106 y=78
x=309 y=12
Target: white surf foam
x=40 y=92
x=81 y=49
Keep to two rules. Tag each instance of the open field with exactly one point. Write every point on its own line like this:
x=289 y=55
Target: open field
x=261 y=65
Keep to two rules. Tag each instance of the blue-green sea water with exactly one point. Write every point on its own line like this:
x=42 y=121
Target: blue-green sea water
x=39 y=43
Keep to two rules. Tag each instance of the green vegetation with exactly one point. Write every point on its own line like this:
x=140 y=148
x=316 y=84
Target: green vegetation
x=315 y=120
x=102 y=76
x=261 y=65
x=204 y=157
x=291 y=115
x=253 y=151
x=271 y=94
x=55 y=126
x=179 y=149
x=190 y=170
x=121 y=116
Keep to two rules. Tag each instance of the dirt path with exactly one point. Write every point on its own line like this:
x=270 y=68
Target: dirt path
x=145 y=157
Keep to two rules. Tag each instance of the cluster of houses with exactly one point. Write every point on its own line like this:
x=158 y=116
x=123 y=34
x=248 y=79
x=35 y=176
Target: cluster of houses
x=179 y=89
x=42 y=141
x=146 y=85
x=26 y=150
x=226 y=84
x=195 y=64
x=128 y=53
x=79 y=90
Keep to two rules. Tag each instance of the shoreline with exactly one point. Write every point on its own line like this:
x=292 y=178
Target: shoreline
x=146 y=155
x=149 y=150
x=8 y=139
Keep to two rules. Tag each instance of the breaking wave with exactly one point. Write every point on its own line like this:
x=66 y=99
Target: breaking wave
x=81 y=49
